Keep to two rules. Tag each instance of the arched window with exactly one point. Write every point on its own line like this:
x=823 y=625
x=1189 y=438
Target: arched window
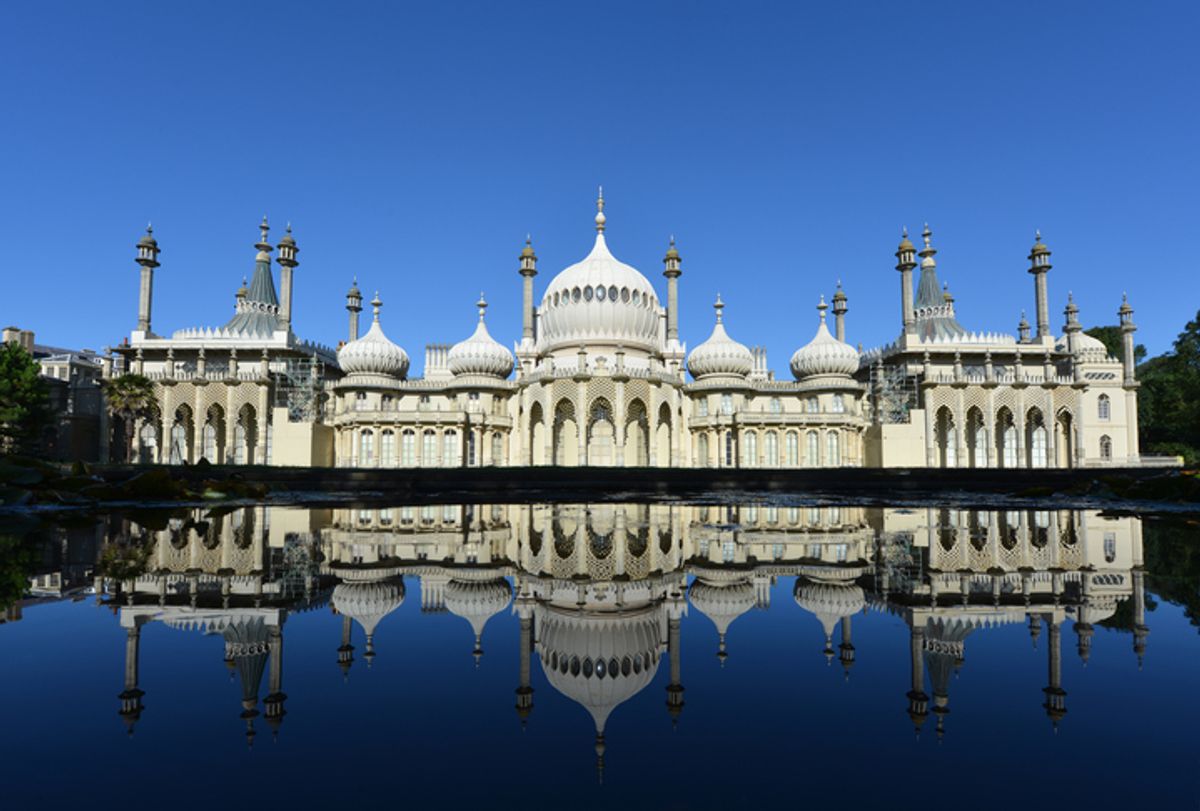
x=497 y=448
x=210 y=443
x=839 y=404
x=833 y=449
x=149 y=441
x=1104 y=407
x=1038 y=440
x=408 y=448
x=387 y=449
x=450 y=449
x=360 y=401
x=366 y=448
x=240 y=444
x=1106 y=448
x=812 y=449
x=750 y=450
x=793 y=449
x=702 y=449
x=729 y=454
x=771 y=448
x=178 y=443
x=429 y=448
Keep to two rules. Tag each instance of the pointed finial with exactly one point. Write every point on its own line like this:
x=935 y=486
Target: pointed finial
x=926 y=234
x=822 y=307
x=718 y=306
x=600 y=218
x=150 y=228
x=1037 y=235
x=904 y=232
x=482 y=305
x=376 y=304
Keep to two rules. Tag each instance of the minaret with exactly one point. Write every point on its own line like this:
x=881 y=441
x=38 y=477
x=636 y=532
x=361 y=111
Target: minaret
x=528 y=272
x=839 y=312
x=672 y=272
x=846 y=648
x=1125 y=313
x=345 y=652
x=906 y=260
x=1039 y=266
x=287 y=263
x=1056 y=697
x=131 y=696
x=524 y=609
x=918 y=700
x=354 y=307
x=675 y=609
x=273 y=703
x=1140 y=629
x=1072 y=327
x=147 y=257
x=1023 y=329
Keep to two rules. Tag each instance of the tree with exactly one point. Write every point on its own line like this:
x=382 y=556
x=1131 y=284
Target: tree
x=24 y=401
x=1169 y=397
x=130 y=398
x=1111 y=338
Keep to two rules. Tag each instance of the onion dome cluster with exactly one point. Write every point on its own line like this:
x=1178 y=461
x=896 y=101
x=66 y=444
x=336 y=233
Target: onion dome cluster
x=824 y=355
x=373 y=353
x=720 y=354
x=480 y=354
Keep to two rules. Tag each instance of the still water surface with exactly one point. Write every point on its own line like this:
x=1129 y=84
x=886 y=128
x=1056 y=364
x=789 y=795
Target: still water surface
x=603 y=655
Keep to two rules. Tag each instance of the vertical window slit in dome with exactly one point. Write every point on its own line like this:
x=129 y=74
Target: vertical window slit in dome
x=587 y=293
x=626 y=666
x=601 y=293
x=554 y=661
x=613 y=668
x=612 y=292
x=576 y=294
x=601 y=668
x=587 y=667
x=574 y=665
x=637 y=663
x=625 y=294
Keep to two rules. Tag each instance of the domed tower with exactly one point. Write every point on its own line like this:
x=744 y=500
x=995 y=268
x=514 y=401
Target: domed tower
x=824 y=357
x=477 y=601
x=367 y=603
x=722 y=599
x=829 y=603
x=480 y=354
x=373 y=356
x=720 y=356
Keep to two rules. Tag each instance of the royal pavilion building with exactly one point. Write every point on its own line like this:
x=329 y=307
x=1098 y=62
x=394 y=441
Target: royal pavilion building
x=601 y=377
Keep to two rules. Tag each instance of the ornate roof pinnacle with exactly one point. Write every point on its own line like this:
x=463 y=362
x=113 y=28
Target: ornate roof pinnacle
x=822 y=307
x=482 y=305
x=600 y=218
x=376 y=304
x=718 y=306
x=263 y=245
x=928 y=251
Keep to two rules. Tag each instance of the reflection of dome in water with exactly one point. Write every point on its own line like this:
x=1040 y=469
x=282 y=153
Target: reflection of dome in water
x=477 y=602
x=722 y=603
x=829 y=602
x=368 y=603
x=599 y=660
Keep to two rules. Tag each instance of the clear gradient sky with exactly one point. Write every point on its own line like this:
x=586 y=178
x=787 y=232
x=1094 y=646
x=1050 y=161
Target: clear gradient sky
x=414 y=145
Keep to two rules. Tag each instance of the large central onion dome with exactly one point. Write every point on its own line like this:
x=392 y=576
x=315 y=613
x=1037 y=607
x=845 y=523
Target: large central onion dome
x=374 y=354
x=824 y=355
x=480 y=354
x=720 y=354
x=600 y=301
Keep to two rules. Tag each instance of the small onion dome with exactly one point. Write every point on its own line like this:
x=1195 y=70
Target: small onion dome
x=720 y=354
x=1039 y=247
x=829 y=602
x=148 y=241
x=1087 y=347
x=905 y=242
x=243 y=291
x=368 y=603
x=374 y=354
x=480 y=354
x=288 y=239
x=527 y=251
x=354 y=291
x=477 y=602
x=722 y=603
x=824 y=355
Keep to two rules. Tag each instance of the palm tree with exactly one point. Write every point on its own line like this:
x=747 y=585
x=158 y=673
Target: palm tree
x=130 y=398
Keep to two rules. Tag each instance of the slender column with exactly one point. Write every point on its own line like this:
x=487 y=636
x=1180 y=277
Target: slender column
x=619 y=424
x=131 y=696
x=147 y=258
x=918 y=700
x=1056 y=697
x=675 y=687
x=1039 y=266
x=672 y=272
x=524 y=690
x=906 y=260
x=273 y=703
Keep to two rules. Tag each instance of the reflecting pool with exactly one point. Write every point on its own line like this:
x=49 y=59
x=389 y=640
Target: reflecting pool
x=615 y=655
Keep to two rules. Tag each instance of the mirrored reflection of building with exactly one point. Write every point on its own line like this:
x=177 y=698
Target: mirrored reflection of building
x=601 y=592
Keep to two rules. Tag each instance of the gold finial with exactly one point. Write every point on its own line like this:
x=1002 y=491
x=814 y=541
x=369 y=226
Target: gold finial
x=600 y=218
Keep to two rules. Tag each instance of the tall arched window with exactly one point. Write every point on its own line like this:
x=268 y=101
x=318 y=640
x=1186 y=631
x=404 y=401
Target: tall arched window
x=210 y=443
x=1038 y=439
x=1106 y=448
x=729 y=454
x=833 y=449
x=178 y=443
x=408 y=448
x=497 y=448
x=702 y=450
x=771 y=448
x=812 y=449
x=471 y=462
x=366 y=448
x=240 y=444
x=387 y=448
x=750 y=449
x=450 y=449
x=429 y=448
x=148 y=439
x=793 y=449
x=1104 y=407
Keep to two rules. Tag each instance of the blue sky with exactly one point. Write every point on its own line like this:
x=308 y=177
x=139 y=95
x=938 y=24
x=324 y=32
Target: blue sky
x=415 y=145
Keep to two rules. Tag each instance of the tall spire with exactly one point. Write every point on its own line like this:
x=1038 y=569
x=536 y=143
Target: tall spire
x=600 y=218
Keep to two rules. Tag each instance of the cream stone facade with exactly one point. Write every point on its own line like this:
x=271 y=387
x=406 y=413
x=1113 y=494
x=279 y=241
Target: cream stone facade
x=600 y=377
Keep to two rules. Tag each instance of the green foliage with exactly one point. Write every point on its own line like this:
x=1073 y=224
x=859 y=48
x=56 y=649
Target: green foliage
x=24 y=402
x=124 y=561
x=1111 y=338
x=1172 y=558
x=1169 y=398
x=18 y=559
x=130 y=398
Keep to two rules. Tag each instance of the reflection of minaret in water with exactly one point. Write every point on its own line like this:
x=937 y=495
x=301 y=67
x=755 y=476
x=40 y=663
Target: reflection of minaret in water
x=345 y=651
x=1056 y=697
x=918 y=701
x=525 y=691
x=675 y=609
x=846 y=648
x=131 y=696
x=1140 y=630
x=273 y=703
x=247 y=641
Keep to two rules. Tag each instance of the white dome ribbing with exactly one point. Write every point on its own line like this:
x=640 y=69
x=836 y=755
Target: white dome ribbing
x=477 y=602
x=599 y=300
x=480 y=354
x=824 y=355
x=720 y=354
x=374 y=354
x=368 y=603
